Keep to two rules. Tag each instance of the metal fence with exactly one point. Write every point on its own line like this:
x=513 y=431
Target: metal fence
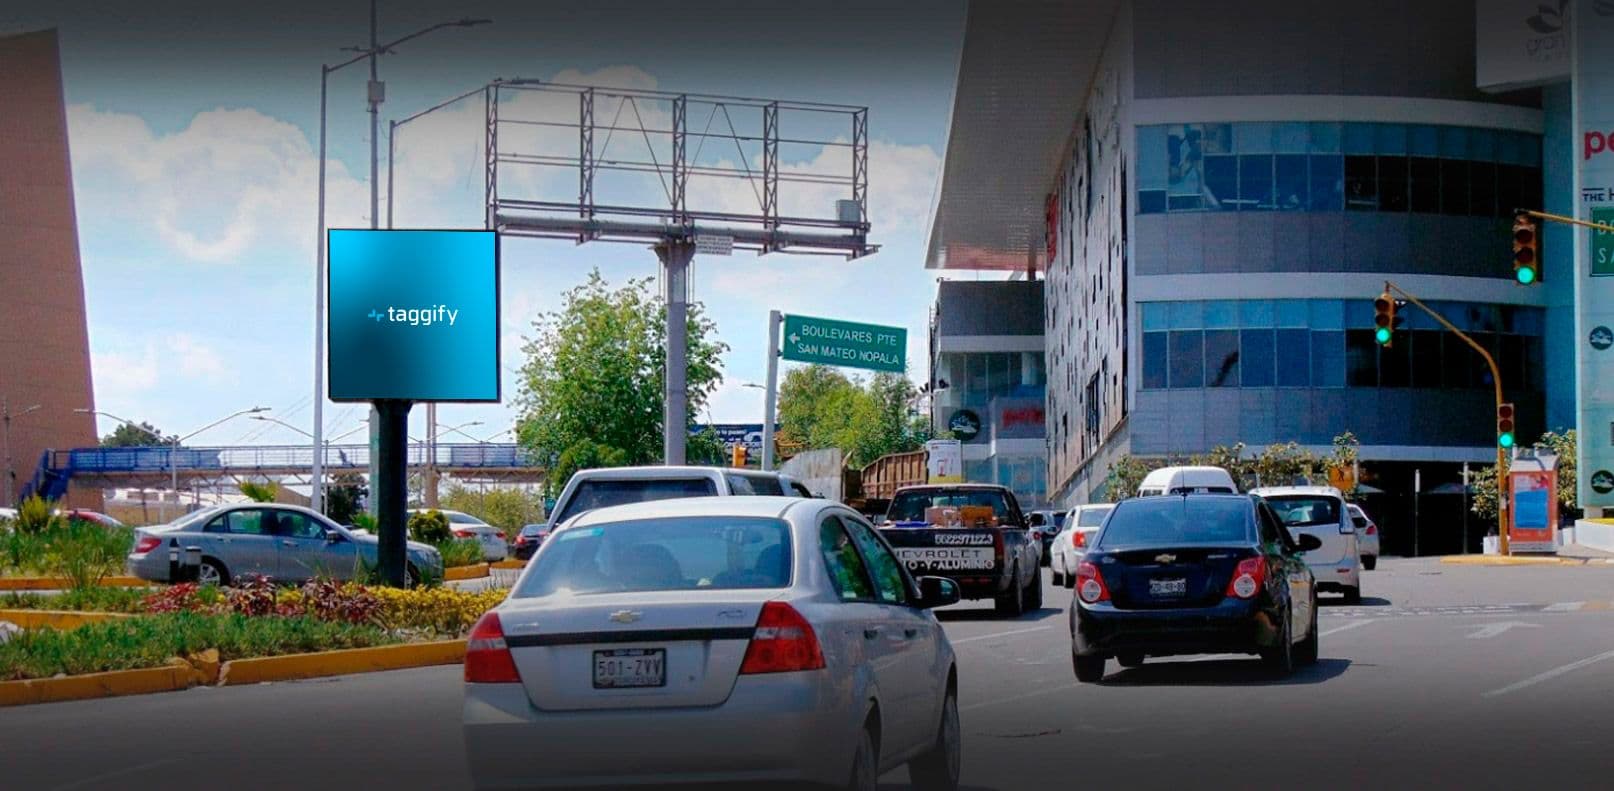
x=280 y=457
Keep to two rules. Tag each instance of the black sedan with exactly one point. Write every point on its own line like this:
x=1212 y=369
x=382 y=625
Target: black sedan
x=529 y=539
x=1193 y=574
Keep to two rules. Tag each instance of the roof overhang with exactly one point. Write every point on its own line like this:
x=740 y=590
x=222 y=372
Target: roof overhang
x=1023 y=72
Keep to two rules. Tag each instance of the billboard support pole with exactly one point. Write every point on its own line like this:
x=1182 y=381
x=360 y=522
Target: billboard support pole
x=675 y=255
x=391 y=486
x=771 y=401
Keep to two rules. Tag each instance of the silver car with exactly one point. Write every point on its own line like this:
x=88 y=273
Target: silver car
x=495 y=546
x=286 y=542
x=712 y=640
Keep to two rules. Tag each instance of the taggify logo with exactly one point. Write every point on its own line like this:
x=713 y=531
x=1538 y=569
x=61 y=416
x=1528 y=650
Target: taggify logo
x=415 y=317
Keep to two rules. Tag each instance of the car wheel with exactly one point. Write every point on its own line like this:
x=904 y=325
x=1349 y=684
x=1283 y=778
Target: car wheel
x=411 y=576
x=1012 y=603
x=1129 y=660
x=1306 y=654
x=1089 y=669
x=1369 y=562
x=212 y=573
x=1034 y=598
x=1280 y=659
x=865 y=763
x=938 y=769
x=1059 y=580
x=1353 y=595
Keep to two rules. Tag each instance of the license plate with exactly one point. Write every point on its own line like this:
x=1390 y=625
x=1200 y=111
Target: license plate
x=1178 y=587
x=630 y=667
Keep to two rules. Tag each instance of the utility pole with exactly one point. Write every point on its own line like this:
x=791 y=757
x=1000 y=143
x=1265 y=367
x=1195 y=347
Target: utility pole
x=675 y=257
x=5 y=440
x=377 y=94
x=771 y=400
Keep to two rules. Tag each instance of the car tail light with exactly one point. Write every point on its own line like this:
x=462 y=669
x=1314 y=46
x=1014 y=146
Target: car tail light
x=1372 y=529
x=784 y=642
x=487 y=656
x=464 y=534
x=147 y=544
x=1090 y=584
x=1248 y=578
x=997 y=545
x=521 y=540
x=499 y=533
x=1078 y=539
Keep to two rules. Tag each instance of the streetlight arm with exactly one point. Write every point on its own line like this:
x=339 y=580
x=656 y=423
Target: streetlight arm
x=279 y=422
x=231 y=416
x=387 y=47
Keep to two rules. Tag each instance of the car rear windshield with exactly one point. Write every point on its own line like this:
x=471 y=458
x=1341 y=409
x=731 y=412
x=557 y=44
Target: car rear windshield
x=1092 y=517
x=604 y=493
x=910 y=506
x=1176 y=521
x=1303 y=510
x=685 y=553
x=741 y=485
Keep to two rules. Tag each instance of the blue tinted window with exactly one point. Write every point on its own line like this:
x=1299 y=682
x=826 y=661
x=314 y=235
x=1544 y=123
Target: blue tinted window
x=1327 y=183
x=1154 y=165
x=1255 y=313
x=1156 y=316
x=1359 y=138
x=1221 y=314
x=1328 y=359
x=1359 y=312
x=1221 y=182
x=1154 y=360
x=1188 y=359
x=1289 y=188
x=1151 y=201
x=1389 y=139
x=1255 y=182
x=1509 y=148
x=1530 y=151
x=1291 y=138
x=1292 y=312
x=1454 y=142
x=1254 y=138
x=1482 y=145
x=1423 y=140
x=1222 y=358
x=1187 y=315
x=1326 y=314
x=1293 y=357
x=1255 y=357
x=1325 y=138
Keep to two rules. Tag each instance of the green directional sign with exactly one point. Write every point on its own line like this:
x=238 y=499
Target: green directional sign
x=845 y=343
x=1602 y=244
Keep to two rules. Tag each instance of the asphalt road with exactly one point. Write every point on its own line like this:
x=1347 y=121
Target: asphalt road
x=1445 y=676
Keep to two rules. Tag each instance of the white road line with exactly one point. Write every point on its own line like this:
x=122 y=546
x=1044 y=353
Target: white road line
x=1351 y=625
x=128 y=770
x=1549 y=675
x=963 y=640
x=1016 y=698
x=1564 y=606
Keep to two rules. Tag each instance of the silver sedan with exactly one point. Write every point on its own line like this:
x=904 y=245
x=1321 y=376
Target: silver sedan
x=710 y=640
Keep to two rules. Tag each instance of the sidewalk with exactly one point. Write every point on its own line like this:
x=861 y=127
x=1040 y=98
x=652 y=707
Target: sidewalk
x=1568 y=555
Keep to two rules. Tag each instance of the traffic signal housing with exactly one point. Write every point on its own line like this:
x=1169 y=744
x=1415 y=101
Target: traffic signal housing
x=737 y=456
x=1385 y=321
x=1504 y=425
x=1526 y=256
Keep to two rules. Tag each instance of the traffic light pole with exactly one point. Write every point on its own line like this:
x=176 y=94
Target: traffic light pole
x=1496 y=378
x=1541 y=215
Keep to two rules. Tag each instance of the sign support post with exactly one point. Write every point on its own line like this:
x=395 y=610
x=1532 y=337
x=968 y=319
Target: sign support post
x=391 y=486
x=675 y=257
x=770 y=403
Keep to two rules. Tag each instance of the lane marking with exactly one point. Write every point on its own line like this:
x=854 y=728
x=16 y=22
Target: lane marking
x=128 y=770
x=1549 y=675
x=1016 y=698
x=1564 y=606
x=962 y=640
x=1494 y=629
x=1351 y=625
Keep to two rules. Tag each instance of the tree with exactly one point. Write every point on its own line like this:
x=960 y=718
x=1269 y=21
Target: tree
x=820 y=407
x=344 y=498
x=591 y=387
x=1483 y=482
x=505 y=508
x=260 y=492
x=128 y=435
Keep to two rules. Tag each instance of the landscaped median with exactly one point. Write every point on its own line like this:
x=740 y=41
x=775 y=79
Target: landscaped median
x=187 y=635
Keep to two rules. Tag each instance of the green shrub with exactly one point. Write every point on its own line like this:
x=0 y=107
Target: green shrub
x=150 y=641
x=124 y=600
x=260 y=492
x=364 y=520
x=460 y=552
x=22 y=553
x=34 y=515
x=430 y=527
x=84 y=553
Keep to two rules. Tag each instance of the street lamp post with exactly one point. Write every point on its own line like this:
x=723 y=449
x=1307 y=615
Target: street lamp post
x=173 y=446
x=325 y=71
x=5 y=439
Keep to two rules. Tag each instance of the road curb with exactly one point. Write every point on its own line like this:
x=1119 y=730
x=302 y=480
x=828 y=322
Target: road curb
x=55 y=583
x=458 y=573
x=177 y=675
x=340 y=663
x=1513 y=560
x=57 y=619
x=510 y=564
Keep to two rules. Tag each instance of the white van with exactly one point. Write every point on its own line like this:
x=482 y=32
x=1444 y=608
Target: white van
x=1321 y=511
x=1187 y=480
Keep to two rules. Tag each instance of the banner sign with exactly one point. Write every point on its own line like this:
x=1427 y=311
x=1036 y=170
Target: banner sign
x=944 y=461
x=1534 y=521
x=1519 y=43
x=1593 y=125
x=748 y=435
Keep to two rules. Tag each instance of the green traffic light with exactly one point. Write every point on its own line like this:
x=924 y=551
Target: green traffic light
x=1382 y=335
x=1505 y=439
x=1526 y=275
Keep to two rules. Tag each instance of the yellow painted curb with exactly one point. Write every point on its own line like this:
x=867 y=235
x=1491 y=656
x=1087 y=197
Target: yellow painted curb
x=52 y=583
x=465 y=572
x=1509 y=560
x=57 y=619
x=340 y=663
x=179 y=675
x=510 y=564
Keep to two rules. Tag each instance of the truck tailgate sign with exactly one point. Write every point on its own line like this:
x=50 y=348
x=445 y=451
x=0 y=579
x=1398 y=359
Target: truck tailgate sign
x=922 y=559
x=844 y=343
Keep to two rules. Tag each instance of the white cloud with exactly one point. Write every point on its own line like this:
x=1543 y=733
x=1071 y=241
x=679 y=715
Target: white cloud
x=195 y=359
x=119 y=374
x=231 y=183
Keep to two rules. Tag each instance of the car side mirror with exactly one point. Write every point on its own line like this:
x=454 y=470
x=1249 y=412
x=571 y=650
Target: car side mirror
x=333 y=537
x=1308 y=542
x=937 y=592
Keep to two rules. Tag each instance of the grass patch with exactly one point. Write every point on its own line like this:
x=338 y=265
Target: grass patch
x=461 y=552
x=150 y=641
x=122 y=600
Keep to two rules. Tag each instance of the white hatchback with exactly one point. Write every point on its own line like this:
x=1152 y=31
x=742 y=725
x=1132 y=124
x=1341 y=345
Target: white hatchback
x=1320 y=511
x=1367 y=536
x=1072 y=542
x=712 y=640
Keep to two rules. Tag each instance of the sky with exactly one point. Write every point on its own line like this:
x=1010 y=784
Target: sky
x=193 y=131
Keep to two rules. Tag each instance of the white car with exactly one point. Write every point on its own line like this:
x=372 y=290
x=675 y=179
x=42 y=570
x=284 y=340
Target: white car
x=1320 y=511
x=608 y=486
x=714 y=640
x=1072 y=542
x=1178 y=480
x=494 y=545
x=1367 y=536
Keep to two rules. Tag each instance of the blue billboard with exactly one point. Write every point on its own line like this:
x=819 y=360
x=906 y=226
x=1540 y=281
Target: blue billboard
x=413 y=315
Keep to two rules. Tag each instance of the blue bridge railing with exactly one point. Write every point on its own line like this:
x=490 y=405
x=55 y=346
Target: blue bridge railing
x=90 y=461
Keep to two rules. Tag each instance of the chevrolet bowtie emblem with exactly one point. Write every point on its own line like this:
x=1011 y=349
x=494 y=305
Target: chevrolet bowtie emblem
x=626 y=616
x=1165 y=558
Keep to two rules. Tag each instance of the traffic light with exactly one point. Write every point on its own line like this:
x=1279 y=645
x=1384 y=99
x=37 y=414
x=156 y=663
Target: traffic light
x=1504 y=425
x=1526 y=260
x=1384 y=320
x=737 y=456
